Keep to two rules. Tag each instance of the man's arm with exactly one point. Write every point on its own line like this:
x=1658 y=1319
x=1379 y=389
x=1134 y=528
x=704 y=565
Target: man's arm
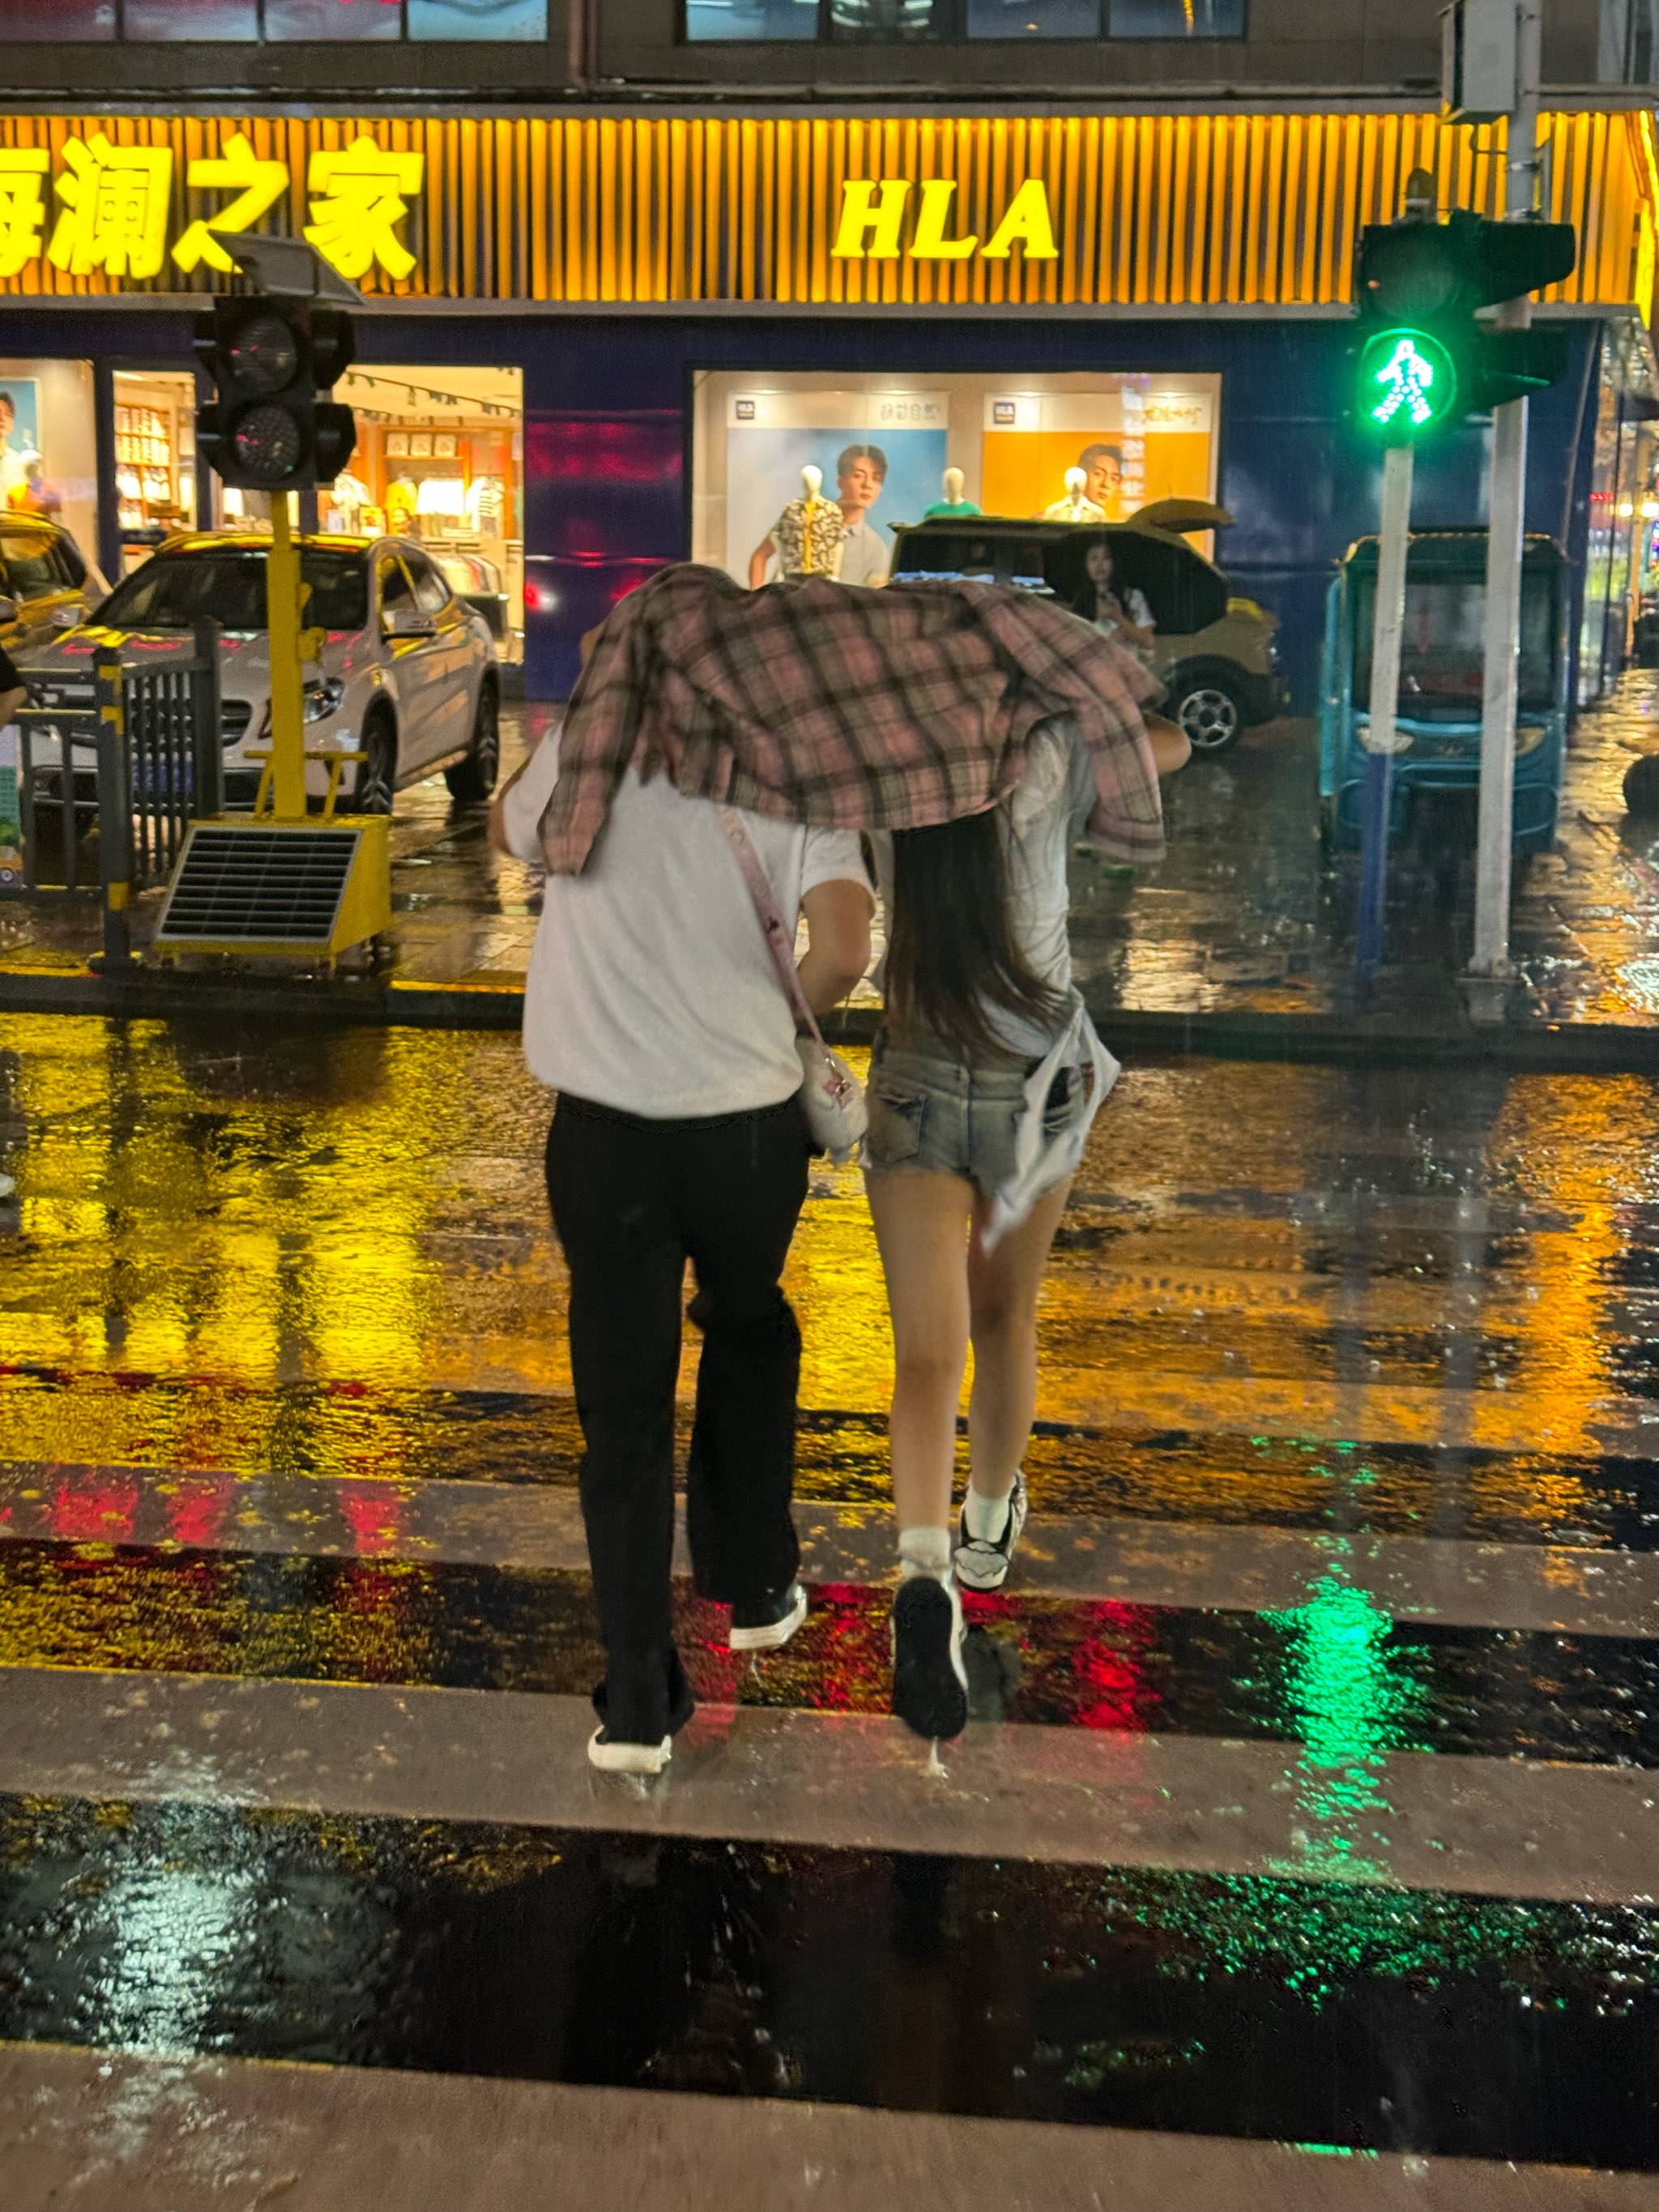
x=498 y=836
x=1170 y=748
x=838 y=941
x=758 y=560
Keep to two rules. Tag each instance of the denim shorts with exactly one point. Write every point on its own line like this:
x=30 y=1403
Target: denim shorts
x=934 y=1116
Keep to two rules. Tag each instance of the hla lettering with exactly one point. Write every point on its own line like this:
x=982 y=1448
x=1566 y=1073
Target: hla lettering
x=872 y=218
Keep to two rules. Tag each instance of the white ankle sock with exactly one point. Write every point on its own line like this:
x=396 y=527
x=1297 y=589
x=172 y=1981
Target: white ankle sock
x=987 y=1517
x=924 y=1551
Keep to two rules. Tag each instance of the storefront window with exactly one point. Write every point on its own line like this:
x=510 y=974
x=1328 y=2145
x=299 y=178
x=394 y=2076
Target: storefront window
x=1177 y=19
x=48 y=451
x=882 y=446
x=54 y=20
x=440 y=459
x=333 y=19
x=750 y=19
x=477 y=19
x=892 y=21
x=1033 y=19
x=192 y=19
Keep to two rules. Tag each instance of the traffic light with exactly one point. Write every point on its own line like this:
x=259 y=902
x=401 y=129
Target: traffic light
x=273 y=361
x=1425 y=361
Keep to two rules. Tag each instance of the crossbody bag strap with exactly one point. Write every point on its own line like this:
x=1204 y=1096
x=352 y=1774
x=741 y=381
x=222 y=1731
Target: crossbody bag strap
x=780 y=938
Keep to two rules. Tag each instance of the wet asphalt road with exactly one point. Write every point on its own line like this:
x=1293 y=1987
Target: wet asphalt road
x=1245 y=914
x=1344 y=1508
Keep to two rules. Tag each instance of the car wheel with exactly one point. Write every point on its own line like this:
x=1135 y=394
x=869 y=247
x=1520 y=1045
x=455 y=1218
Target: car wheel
x=1642 y=786
x=377 y=773
x=471 y=781
x=1210 y=711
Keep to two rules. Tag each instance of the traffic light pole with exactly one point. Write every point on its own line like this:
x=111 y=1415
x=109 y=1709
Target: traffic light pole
x=1506 y=512
x=287 y=727
x=1379 y=738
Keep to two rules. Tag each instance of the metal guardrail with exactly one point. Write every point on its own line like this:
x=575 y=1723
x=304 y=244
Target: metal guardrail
x=138 y=763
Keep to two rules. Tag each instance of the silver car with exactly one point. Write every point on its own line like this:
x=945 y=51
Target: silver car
x=407 y=673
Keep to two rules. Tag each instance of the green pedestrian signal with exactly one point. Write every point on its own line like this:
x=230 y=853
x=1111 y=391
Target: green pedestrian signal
x=1407 y=384
x=1425 y=360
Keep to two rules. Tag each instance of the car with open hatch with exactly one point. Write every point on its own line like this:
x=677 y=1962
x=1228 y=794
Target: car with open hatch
x=1216 y=654
x=407 y=672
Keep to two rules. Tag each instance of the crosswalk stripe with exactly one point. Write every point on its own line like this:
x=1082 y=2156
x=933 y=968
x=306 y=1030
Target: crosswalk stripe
x=1469 y=1825
x=172 y=2135
x=1574 y=1589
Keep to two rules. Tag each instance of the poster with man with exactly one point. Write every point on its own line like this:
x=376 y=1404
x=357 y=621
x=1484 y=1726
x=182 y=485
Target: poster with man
x=1135 y=439
x=20 y=436
x=881 y=458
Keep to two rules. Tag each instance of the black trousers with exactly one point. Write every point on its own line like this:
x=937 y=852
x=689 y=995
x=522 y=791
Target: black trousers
x=632 y=1201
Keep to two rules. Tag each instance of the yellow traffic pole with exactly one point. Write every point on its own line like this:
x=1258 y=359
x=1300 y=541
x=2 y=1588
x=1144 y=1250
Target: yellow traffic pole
x=287 y=727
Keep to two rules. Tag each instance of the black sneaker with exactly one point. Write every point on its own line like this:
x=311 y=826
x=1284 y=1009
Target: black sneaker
x=643 y=1703
x=981 y=1564
x=767 y=1623
x=930 y=1677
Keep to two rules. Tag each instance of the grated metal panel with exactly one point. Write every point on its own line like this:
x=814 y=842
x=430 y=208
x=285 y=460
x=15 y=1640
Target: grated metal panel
x=260 y=886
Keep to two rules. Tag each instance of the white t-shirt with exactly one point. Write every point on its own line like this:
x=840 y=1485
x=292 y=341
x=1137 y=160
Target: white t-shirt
x=1050 y=803
x=651 y=988
x=864 y=554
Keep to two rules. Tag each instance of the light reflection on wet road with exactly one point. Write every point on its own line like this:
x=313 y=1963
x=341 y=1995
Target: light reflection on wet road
x=1384 y=1255
x=1295 y=1298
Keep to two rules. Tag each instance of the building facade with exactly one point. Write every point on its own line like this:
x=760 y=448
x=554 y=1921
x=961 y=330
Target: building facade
x=607 y=323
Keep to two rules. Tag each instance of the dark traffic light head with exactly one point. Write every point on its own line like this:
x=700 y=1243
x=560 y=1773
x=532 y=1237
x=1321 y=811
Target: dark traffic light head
x=271 y=428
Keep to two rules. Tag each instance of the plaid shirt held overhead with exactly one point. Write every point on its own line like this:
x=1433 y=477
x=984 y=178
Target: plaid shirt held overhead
x=812 y=702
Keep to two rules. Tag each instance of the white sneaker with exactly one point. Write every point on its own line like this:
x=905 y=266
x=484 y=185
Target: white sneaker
x=624 y=1758
x=766 y=1624
x=981 y=1562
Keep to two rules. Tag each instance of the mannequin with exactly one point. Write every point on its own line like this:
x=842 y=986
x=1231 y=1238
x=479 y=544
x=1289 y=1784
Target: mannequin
x=953 y=503
x=1074 y=508
x=807 y=537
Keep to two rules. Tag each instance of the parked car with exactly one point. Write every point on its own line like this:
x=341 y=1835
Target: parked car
x=478 y=583
x=407 y=674
x=1217 y=655
x=47 y=584
x=1436 y=768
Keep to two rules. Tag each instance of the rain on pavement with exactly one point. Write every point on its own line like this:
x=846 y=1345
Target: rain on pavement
x=1245 y=913
x=1308 y=1800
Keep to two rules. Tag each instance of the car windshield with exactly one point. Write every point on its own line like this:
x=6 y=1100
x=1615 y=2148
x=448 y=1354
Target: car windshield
x=1443 y=650
x=176 y=590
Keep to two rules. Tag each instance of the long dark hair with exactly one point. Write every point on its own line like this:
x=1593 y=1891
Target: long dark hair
x=950 y=951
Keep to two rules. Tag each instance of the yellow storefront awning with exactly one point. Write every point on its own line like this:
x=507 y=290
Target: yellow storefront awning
x=1234 y=212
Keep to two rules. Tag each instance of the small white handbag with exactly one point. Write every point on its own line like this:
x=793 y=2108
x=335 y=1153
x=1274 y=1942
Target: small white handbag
x=836 y=1116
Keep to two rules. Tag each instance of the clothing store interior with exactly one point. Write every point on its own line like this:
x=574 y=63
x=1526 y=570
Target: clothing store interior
x=772 y=449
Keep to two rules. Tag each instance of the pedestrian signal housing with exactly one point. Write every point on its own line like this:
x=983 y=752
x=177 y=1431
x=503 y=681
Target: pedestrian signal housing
x=271 y=426
x=1425 y=360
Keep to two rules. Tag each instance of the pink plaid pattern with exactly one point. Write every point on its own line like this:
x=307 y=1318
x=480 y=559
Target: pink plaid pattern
x=813 y=701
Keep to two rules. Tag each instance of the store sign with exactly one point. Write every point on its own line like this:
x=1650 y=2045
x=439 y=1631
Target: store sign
x=872 y=223
x=1143 y=212
x=111 y=204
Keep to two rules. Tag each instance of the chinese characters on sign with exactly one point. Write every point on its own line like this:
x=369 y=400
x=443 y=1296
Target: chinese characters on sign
x=113 y=205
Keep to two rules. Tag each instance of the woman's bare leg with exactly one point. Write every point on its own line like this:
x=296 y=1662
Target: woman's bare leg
x=1004 y=1285
x=922 y=1228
